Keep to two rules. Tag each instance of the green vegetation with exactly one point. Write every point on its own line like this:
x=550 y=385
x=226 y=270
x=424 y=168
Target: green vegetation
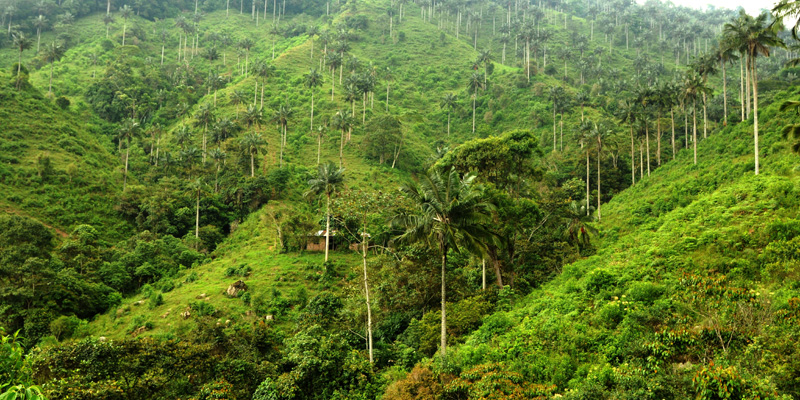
x=207 y=203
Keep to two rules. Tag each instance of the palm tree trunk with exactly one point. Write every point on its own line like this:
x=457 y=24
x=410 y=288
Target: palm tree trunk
x=125 y=178
x=333 y=82
x=366 y=293
x=747 y=80
x=658 y=140
x=443 y=351
x=341 y=150
x=554 y=125
x=448 y=124
x=633 y=159
x=319 y=146
x=561 y=130
x=741 y=85
x=724 y=94
x=387 y=97
x=312 y=109
x=483 y=275
x=587 y=181
x=197 y=216
x=641 y=161
x=162 y=54
x=124 y=28
x=685 y=127
x=38 y=38
x=50 y=88
x=694 y=129
x=647 y=140
x=754 y=76
x=599 y=146
x=327 y=225
x=705 y=118
x=19 y=71
x=672 y=119
x=473 y=110
x=252 y=164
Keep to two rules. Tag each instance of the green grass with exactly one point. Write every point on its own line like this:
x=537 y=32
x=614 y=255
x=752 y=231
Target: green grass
x=80 y=186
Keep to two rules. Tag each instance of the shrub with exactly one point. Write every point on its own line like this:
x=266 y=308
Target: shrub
x=156 y=299
x=64 y=326
x=62 y=102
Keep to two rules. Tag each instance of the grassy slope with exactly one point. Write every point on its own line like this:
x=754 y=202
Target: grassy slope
x=85 y=173
x=706 y=219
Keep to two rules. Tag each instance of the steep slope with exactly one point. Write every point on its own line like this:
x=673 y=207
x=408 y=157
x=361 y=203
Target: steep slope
x=57 y=166
x=693 y=287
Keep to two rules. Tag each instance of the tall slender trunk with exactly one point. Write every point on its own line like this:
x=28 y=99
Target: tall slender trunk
x=252 y=164
x=327 y=225
x=658 y=139
x=755 y=111
x=443 y=351
x=448 y=123
x=747 y=80
x=647 y=141
x=724 y=94
x=641 y=161
x=705 y=118
x=554 y=126
x=197 y=216
x=312 y=109
x=672 y=119
x=483 y=275
x=587 y=180
x=633 y=159
x=694 y=128
x=741 y=85
x=685 y=127
x=341 y=150
x=333 y=82
x=364 y=244
x=124 y=28
x=38 y=38
x=387 y=96
x=599 y=147
x=227 y=7
x=127 y=153
x=473 y=109
x=319 y=146
x=50 y=87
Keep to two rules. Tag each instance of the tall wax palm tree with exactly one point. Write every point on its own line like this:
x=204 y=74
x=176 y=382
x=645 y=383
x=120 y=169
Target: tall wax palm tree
x=758 y=37
x=627 y=114
x=598 y=134
x=485 y=57
x=282 y=117
x=449 y=103
x=127 y=131
x=556 y=94
x=203 y=118
x=125 y=13
x=328 y=180
x=312 y=80
x=451 y=214
x=320 y=133
x=344 y=122
x=389 y=78
x=219 y=157
x=704 y=66
x=476 y=81
x=40 y=22
x=312 y=31
x=107 y=21
x=21 y=43
x=251 y=144
x=694 y=86
x=246 y=44
x=726 y=54
x=584 y=139
x=52 y=53
x=334 y=62
x=196 y=187
x=264 y=70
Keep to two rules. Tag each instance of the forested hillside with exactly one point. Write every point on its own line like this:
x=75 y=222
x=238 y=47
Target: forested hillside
x=393 y=199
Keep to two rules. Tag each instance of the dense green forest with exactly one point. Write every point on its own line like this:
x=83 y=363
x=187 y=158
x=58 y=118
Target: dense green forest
x=394 y=199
